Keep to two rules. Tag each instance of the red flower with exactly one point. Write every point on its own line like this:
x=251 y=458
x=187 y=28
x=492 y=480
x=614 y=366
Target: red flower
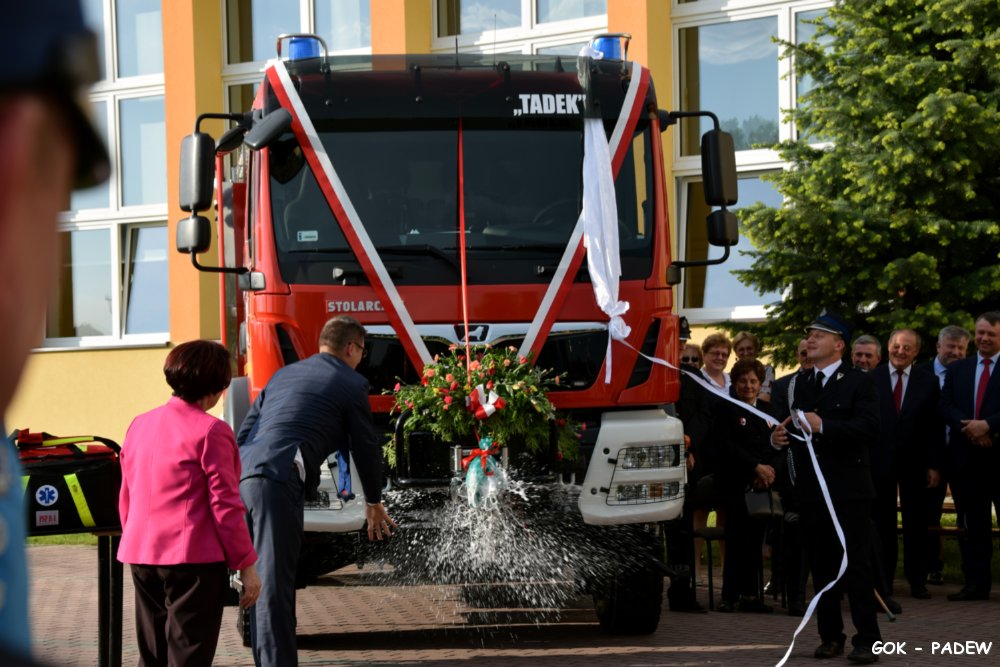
x=447 y=401
x=523 y=360
x=453 y=386
x=396 y=388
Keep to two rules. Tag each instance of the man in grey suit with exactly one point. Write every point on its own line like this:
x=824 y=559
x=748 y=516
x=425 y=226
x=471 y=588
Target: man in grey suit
x=970 y=403
x=308 y=410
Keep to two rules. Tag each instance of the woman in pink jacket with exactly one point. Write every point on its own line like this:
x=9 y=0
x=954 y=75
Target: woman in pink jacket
x=182 y=520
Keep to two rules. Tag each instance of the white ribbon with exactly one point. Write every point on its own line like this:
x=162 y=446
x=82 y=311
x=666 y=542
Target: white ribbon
x=600 y=232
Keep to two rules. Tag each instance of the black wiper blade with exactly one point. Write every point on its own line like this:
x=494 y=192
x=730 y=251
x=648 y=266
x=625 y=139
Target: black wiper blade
x=423 y=249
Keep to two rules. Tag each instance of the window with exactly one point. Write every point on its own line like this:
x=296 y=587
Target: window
x=732 y=69
x=143 y=137
x=253 y=26
x=139 y=37
x=729 y=63
x=112 y=287
x=518 y=26
x=716 y=288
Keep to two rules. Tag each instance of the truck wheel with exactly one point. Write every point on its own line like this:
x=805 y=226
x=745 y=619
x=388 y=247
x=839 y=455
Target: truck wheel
x=243 y=625
x=629 y=601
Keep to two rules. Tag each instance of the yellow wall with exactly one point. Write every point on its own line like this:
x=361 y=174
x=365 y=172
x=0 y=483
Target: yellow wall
x=401 y=26
x=88 y=393
x=192 y=73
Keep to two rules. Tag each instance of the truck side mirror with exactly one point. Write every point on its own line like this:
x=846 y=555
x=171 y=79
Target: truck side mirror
x=723 y=228
x=194 y=234
x=270 y=127
x=197 y=170
x=718 y=168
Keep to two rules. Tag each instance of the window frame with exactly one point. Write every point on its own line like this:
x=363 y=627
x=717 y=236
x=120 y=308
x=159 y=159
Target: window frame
x=525 y=39
x=749 y=163
x=115 y=217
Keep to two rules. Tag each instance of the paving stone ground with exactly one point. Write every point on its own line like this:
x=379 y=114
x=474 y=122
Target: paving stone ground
x=345 y=620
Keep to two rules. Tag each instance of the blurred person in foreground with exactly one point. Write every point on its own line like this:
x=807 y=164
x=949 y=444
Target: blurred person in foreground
x=183 y=524
x=50 y=147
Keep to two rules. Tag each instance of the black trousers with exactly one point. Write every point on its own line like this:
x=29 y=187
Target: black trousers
x=178 y=613
x=977 y=494
x=824 y=554
x=744 y=543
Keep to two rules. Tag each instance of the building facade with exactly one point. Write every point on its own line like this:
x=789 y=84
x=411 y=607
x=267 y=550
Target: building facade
x=125 y=296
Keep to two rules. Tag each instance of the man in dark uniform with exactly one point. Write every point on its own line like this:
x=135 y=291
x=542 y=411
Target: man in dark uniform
x=841 y=408
x=308 y=411
x=907 y=455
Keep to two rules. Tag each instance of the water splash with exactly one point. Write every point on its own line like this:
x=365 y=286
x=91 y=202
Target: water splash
x=526 y=556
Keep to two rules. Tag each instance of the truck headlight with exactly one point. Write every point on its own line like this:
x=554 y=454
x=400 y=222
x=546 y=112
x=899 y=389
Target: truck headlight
x=638 y=494
x=649 y=456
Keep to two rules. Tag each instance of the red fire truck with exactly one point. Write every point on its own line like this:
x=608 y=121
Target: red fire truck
x=344 y=189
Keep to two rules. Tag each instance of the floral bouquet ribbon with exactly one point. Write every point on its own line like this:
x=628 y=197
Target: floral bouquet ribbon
x=484 y=483
x=483 y=402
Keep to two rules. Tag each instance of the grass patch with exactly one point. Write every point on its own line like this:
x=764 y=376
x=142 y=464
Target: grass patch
x=88 y=539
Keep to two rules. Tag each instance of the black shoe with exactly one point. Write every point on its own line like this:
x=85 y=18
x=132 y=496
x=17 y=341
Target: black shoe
x=892 y=605
x=935 y=579
x=862 y=656
x=828 y=650
x=754 y=606
x=726 y=607
x=969 y=593
x=920 y=592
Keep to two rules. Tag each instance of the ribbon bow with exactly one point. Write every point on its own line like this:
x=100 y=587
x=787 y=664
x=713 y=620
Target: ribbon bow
x=483 y=403
x=484 y=451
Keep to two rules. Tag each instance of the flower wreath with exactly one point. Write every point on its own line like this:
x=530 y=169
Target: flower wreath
x=496 y=394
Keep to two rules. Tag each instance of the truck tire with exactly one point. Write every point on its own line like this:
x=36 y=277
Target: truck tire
x=629 y=600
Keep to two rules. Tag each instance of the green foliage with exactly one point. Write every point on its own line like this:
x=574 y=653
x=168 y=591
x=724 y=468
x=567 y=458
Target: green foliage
x=894 y=220
x=445 y=401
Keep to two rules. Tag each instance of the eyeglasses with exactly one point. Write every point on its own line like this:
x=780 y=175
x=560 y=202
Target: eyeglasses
x=364 y=350
x=690 y=360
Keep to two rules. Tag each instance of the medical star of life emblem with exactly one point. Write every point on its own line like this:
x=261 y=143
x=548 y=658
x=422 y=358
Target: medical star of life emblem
x=46 y=495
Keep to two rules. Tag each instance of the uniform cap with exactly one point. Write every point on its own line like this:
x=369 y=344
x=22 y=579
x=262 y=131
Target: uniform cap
x=46 y=47
x=831 y=323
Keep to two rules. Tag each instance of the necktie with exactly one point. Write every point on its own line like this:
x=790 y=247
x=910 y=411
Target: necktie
x=984 y=379
x=897 y=391
x=819 y=381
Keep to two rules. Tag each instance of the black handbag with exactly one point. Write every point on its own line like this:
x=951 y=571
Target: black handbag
x=764 y=504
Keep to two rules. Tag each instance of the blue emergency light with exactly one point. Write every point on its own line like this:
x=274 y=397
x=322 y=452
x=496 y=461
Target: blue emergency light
x=300 y=48
x=610 y=45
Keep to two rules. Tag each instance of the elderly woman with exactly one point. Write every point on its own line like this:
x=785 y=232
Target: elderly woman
x=716 y=350
x=746 y=460
x=747 y=346
x=183 y=523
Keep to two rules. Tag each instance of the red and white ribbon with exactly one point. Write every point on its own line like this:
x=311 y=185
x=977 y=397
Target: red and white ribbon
x=484 y=403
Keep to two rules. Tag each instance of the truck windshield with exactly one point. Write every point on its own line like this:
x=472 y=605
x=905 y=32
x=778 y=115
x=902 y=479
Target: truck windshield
x=522 y=188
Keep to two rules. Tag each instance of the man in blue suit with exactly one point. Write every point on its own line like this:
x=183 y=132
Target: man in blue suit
x=907 y=454
x=308 y=411
x=970 y=403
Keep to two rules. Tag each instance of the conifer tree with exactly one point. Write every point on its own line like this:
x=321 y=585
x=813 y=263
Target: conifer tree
x=892 y=195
